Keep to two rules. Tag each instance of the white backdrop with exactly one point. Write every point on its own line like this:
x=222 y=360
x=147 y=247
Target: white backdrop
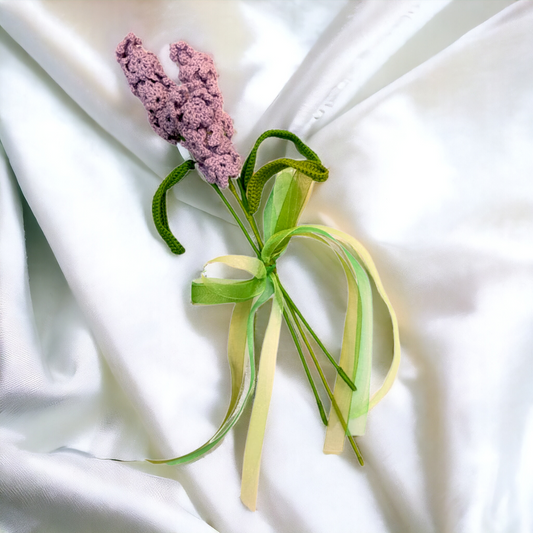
x=423 y=112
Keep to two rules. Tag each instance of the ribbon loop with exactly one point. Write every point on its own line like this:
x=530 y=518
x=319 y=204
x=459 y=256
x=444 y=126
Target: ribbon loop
x=212 y=291
x=286 y=201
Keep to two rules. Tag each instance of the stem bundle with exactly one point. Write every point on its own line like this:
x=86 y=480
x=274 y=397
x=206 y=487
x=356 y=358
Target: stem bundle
x=295 y=322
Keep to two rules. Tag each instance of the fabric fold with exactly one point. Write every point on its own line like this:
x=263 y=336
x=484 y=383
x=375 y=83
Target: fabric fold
x=101 y=351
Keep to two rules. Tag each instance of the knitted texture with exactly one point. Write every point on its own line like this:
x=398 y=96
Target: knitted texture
x=253 y=182
x=191 y=113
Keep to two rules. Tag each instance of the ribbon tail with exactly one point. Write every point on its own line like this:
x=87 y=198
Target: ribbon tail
x=256 y=430
x=242 y=375
x=363 y=365
x=335 y=434
x=237 y=351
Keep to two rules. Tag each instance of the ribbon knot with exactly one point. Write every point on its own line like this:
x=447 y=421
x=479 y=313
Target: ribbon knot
x=271 y=269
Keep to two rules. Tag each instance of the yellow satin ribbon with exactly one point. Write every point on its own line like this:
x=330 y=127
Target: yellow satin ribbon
x=367 y=261
x=263 y=394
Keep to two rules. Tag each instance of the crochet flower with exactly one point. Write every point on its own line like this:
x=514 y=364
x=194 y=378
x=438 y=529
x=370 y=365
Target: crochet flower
x=191 y=113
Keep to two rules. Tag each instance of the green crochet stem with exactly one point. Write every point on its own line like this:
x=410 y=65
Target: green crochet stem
x=319 y=404
x=334 y=404
x=243 y=204
x=339 y=369
x=237 y=219
x=159 y=206
x=253 y=183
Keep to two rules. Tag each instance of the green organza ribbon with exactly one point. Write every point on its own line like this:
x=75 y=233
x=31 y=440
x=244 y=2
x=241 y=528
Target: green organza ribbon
x=285 y=203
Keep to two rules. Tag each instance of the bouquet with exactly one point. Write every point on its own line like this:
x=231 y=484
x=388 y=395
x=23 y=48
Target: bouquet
x=191 y=115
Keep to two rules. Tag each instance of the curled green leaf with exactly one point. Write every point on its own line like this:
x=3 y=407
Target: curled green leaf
x=159 y=206
x=252 y=183
x=313 y=169
x=249 y=165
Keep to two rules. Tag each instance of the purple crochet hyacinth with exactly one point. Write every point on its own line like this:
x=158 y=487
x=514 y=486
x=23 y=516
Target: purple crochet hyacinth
x=190 y=113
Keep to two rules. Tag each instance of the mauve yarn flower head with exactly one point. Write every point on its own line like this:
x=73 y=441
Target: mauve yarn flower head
x=190 y=113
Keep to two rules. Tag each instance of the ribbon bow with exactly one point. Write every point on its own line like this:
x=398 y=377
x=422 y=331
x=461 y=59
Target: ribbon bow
x=356 y=353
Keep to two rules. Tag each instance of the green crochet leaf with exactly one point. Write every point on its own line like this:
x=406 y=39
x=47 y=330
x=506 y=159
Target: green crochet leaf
x=253 y=183
x=313 y=169
x=249 y=164
x=159 y=206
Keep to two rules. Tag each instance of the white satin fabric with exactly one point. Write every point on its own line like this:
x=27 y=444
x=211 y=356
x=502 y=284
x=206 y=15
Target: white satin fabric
x=423 y=112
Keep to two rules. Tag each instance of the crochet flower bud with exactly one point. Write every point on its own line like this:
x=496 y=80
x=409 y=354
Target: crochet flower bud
x=191 y=113
x=147 y=80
